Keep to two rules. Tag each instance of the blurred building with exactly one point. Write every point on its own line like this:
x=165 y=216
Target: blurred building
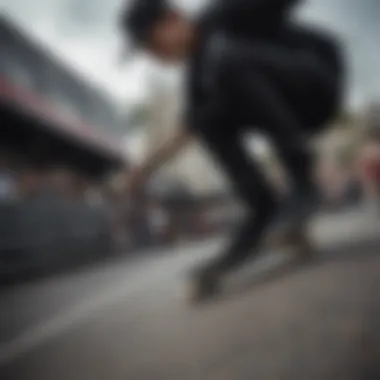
x=50 y=113
x=59 y=139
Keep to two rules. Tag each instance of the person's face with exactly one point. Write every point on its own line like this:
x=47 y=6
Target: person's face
x=172 y=37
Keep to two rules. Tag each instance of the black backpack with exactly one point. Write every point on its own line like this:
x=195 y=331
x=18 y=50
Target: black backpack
x=250 y=18
x=325 y=98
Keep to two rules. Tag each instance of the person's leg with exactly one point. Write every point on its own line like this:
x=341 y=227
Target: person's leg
x=250 y=76
x=225 y=145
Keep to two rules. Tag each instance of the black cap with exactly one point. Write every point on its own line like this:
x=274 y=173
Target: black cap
x=139 y=16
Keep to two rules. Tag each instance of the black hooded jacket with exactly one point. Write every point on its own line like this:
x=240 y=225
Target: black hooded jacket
x=248 y=18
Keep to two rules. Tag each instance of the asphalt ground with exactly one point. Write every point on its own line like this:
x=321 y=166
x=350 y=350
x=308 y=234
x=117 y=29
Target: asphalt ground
x=132 y=320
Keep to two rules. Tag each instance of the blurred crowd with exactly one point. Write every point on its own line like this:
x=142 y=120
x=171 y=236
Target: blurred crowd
x=369 y=170
x=127 y=225
x=58 y=203
x=21 y=180
x=355 y=178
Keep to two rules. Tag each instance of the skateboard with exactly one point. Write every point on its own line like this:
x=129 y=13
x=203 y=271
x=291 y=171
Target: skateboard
x=206 y=285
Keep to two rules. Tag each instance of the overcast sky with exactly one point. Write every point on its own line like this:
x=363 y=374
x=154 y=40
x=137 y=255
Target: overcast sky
x=84 y=34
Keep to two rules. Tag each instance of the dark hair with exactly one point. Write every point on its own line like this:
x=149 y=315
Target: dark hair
x=138 y=18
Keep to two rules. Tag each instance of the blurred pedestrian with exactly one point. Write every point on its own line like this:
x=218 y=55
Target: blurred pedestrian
x=369 y=167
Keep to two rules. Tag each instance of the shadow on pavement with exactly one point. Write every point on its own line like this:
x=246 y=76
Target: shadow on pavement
x=339 y=253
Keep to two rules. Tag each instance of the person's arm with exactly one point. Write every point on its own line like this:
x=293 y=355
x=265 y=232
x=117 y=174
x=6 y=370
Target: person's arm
x=160 y=156
x=165 y=152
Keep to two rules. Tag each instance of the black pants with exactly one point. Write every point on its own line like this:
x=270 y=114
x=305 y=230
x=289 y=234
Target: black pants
x=269 y=86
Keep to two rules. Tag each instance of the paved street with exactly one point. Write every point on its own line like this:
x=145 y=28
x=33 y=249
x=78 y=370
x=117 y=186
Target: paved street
x=128 y=320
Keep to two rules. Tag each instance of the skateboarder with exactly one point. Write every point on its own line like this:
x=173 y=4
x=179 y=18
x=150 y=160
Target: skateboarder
x=248 y=65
